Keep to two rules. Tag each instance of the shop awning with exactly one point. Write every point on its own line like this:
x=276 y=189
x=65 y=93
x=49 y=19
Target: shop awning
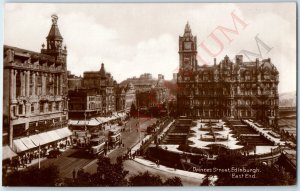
x=103 y=119
x=53 y=135
x=7 y=153
x=82 y=122
x=19 y=146
x=28 y=143
x=99 y=120
x=63 y=132
x=37 y=139
x=73 y=122
x=46 y=138
x=94 y=122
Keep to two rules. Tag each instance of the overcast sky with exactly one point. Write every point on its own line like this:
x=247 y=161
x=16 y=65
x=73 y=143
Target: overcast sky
x=131 y=39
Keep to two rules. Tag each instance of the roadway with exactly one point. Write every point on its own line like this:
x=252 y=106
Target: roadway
x=75 y=159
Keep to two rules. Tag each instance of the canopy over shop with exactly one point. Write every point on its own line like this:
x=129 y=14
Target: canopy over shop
x=96 y=121
x=33 y=141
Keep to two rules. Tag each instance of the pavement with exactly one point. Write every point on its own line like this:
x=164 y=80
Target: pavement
x=164 y=173
x=169 y=170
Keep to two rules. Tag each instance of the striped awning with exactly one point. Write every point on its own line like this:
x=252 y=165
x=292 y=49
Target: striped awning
x=73 y=122
x=37 y=139
x=18 y=146
x=63 y=132
x=94 y=122
x=7 y=153
x=53 y=135
x=46 y=138
x=28 y=143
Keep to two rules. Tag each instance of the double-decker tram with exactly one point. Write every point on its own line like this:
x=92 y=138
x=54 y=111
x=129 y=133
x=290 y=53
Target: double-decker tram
x=97 y=145
x=114 y=136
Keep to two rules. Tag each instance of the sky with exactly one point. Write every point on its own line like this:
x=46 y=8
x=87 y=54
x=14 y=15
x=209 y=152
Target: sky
x=132 y=39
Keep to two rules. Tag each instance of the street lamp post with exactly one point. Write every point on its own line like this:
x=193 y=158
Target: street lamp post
x=85 y=121
x=39 y=156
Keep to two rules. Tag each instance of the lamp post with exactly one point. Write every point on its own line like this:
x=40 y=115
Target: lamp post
x=39 y=156
x=85 y=121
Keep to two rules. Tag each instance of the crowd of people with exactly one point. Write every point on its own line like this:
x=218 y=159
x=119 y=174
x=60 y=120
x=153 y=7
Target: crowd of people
x=26 y=159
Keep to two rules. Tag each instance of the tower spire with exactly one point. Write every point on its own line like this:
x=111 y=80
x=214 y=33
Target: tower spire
x=187 y=27
x=54 y=38
x=102 y=70
x=187 y=30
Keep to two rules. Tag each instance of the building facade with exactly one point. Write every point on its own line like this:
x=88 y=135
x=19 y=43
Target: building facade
x=235 y=89
x=74 y=82
x=120 y=98
x=84 y=103
x=104 y=84
x=35 y=88
x=150 y=92
x=130 y=97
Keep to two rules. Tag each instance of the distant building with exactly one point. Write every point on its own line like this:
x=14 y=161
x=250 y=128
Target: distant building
x=74 y=82
x=104 y=83
x=126 y=96
x=228 y=89
x=143 y=83
x=130 y=97
x=35 y=91
x=174 y=77
x=149 y=91
x=154 y=97
x=120 y=98
x=84 y=103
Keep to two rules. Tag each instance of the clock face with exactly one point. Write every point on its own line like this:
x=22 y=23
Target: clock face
x=188 y=45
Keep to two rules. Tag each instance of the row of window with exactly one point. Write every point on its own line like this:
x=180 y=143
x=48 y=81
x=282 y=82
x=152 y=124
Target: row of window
x=37 y=107
x=239 y=92
x=94 y=98
x=52 y=85
x=228 y=103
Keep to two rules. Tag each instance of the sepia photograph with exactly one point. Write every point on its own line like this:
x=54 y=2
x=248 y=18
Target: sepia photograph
x=149 y=94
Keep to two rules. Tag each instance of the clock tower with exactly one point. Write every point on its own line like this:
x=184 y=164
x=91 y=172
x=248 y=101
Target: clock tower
x=187 y=51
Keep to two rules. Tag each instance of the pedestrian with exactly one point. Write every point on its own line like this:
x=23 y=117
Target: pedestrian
x=74 y=174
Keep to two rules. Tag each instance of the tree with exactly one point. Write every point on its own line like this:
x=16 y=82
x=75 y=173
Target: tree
x=176 y=181
x=145 y=179
x=33 y=176
x=109 y=174
x=148 y=179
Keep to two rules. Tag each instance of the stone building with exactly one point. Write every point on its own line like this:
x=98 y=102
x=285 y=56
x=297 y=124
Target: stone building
x=230 y=88
x=150 y=92
x=84 y=103
x=126 y=96
x=143 y=83
x=35 y=90
x=104 y=84
x=74 y=82
x=130 y=97
x=120 y=98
